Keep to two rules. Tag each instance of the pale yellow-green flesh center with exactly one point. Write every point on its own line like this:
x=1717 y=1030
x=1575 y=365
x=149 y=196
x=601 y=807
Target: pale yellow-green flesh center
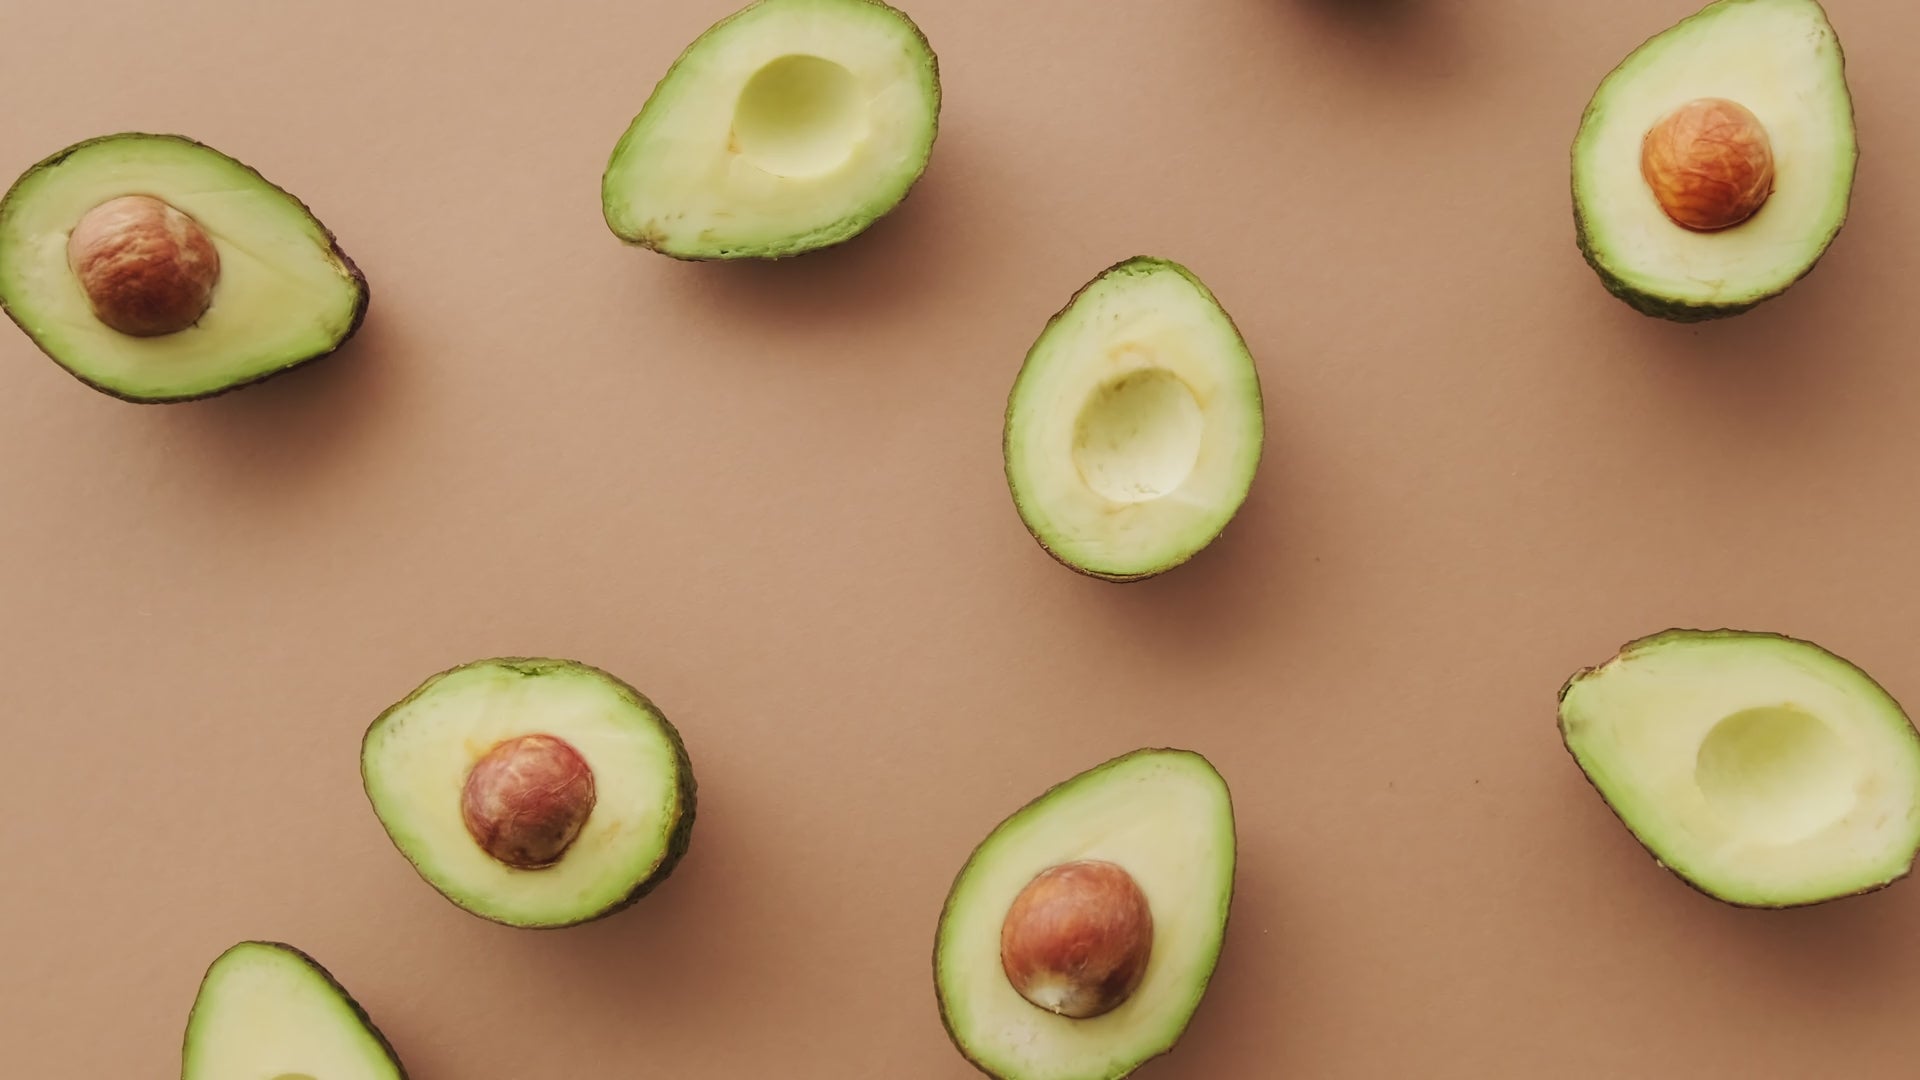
x=794 y=120
x=281 y=296
x=1780 y=60
x=1164 y=818
x=1138 y=436
x=800 y=116
x=264 y=1014
x=418 y=761
x=1135 y=426
x=1760 y=768
x=1776 y=773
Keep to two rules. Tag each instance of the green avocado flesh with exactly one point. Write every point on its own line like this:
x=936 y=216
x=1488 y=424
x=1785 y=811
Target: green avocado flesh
x=1779 y=59
x=416 y=759
x=789 y=126
x=1763 y=770
x=267 y=1011
x=1165 y=817
x=1135 y=425
x=286 y=293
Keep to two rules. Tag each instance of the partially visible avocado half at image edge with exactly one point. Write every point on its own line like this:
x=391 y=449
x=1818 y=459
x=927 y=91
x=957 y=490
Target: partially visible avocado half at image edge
x=157 y=269
x=1080 y=937
x=267 y=1011
x=532 y=792
x=1715 y=165
x=789 y=126
x=1762 y=770
x=1135 y=426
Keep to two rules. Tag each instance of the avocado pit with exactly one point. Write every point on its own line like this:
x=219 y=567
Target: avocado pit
x=526 y=800
x=1709 y=164
x=147 y=268
x=1077 y=938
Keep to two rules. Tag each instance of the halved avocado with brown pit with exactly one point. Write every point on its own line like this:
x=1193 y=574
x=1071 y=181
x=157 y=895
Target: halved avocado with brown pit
x=158 y=269
x=1714 y=166
x=532 y=792
x=1080 y=937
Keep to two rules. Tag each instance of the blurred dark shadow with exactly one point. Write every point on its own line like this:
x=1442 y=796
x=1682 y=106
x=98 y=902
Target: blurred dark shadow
x=672 y=956
x=1829 y=955
x=274 y=436
x=1766 y=375
x=1228 y=591
x=1386 y=29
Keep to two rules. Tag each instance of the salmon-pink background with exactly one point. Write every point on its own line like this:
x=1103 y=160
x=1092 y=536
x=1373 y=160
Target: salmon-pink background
x=770 y=495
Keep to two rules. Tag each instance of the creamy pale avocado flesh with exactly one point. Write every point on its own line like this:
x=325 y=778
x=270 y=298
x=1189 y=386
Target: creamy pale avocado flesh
x=267 y=1011
x=1135 y=426
x=1781 y=60
x=285 y=293
x=1763 y=770
x=789 y=126
x=1166 y=818
x=416 y=758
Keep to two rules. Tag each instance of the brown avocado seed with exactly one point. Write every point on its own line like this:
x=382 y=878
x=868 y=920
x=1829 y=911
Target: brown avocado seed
x=526 y=801
x=1077 y=938
x=147 y=268
x=1709 y=163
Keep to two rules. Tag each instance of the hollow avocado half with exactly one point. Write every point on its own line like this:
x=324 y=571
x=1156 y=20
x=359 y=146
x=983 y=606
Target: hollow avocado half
x=1781 y=64
x=789 y=126
x=267 y=1011
x=283 y=294
x=1165 y=818
x=1135 y=426
x=1762 y=770
x=532 y=792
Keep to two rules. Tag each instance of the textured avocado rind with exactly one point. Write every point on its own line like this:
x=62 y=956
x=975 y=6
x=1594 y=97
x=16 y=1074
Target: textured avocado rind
x=1139 y=264
x=679 y=836
x=349 y=269
x=1626 y=653
x=826 y=236
x=359 y=1011
x=946 y=908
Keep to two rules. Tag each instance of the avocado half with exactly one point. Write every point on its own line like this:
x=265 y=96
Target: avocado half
x=789 y=126
x=1762 y=770
x=1162 y=816
x=267 y=1011
x=1135 y=426
x=425 y=762
x=285 y=293
x=1781 y=61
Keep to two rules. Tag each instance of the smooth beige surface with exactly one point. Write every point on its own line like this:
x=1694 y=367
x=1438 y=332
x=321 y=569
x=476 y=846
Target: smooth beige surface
x=771 y=497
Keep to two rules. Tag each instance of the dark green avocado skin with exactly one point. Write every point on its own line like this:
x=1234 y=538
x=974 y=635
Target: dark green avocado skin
x=678 y=840
x=1639 y=644
x=361 y=291
x=358 y=1010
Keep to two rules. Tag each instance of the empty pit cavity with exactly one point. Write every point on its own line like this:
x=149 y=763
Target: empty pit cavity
x=799 y=116
x=1138 y=436
x=1777 y=773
